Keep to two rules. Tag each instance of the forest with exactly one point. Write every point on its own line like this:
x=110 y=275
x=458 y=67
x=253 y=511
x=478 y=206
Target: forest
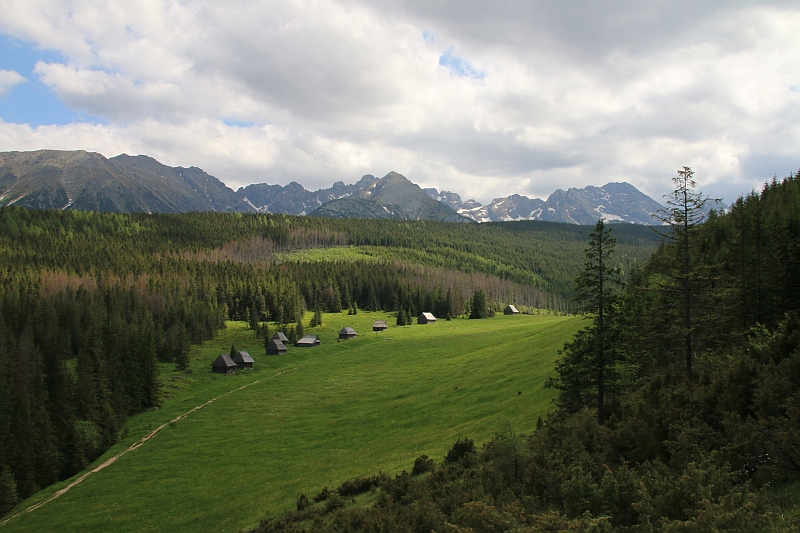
x=678 y=405
x=91 y=304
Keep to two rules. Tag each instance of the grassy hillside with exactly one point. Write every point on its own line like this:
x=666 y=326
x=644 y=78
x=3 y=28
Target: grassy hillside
x=311 y=418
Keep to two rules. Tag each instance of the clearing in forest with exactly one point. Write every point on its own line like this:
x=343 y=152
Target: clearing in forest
x=315 y=417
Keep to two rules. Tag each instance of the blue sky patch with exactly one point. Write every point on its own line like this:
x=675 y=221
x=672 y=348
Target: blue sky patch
x=427 y=37
x=459 y=66
x=32 y=102
x=238 y=123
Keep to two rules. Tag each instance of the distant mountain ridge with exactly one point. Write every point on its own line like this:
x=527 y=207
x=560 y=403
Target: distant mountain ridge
x=83 y=180
x=613 y=202
x=54 y=179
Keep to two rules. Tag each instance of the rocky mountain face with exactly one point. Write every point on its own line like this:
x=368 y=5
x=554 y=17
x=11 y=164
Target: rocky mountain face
x=614 y=202
x=294 y=199
x=87 y=181
x=393 y=196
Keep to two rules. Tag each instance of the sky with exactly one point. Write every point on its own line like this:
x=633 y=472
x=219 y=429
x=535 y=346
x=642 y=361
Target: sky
x=485 y=99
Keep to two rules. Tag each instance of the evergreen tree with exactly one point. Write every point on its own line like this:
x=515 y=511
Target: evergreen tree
x=478 y=304
x=316 y=320
x=291 y=335
x=8 y=490
x=586 y=369
x=401 y=317
x=684 y=214
x=299 y=328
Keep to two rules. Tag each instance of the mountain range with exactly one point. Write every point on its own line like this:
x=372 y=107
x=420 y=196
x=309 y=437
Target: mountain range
x=83 y=180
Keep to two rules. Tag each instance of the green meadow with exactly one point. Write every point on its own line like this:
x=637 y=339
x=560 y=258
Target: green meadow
x=308 y=419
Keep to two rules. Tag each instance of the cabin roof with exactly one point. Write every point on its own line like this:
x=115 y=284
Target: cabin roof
x=276 y=345
x=242 y=357
x=309 y=340
x=223 y=360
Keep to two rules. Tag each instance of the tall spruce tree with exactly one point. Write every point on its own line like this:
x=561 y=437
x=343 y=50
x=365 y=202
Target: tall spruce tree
x=586 y=371
x=685 y=212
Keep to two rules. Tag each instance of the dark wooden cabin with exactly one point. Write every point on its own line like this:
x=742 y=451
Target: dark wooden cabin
x=510 y=310
x=347 y=333
x=309 y=341
x=276 y=347
x=379 y=325
x=243 y=360
x=281 y=337
x=223 y=365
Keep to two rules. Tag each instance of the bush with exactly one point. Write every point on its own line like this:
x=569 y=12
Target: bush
x=356 y=486
x=323 y=495
x=334 y=503
x=302 y=502
x=461 y=448
x=422 y=464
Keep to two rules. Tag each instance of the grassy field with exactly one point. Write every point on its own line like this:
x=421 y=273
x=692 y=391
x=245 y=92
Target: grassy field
x=311 y=418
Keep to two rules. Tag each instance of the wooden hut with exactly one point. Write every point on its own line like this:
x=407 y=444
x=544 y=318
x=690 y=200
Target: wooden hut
x=379 y=325
x=309 y=341
x=510 y=310
x=426 y=318
x=347 y=333
x=243 y=360
x=276 y=347
x=281 y=337
x=223 y=365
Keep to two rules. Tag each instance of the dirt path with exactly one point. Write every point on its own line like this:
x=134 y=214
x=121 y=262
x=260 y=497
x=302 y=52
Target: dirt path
x=110 y=461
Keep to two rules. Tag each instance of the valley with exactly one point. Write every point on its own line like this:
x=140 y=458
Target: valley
x=309 y=419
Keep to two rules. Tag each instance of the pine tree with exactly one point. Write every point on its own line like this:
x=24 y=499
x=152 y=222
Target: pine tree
x=684 y=214
x=299 y=328
x=8 y=490
x=586 y=370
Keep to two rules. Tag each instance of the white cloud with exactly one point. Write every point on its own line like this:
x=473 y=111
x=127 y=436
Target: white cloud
x=530 y=96
x=8 y=79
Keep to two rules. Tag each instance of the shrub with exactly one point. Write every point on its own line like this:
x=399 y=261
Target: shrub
x=461 y=448
x=422 y=464
x=323 y=495
x=356 y=486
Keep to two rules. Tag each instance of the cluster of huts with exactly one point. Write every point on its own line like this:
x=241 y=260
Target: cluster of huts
x=224 y=364
x=277 y=346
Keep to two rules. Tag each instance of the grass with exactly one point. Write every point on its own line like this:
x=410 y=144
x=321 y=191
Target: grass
x=311 y=418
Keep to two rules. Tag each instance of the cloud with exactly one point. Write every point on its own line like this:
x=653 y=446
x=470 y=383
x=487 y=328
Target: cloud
x=485 y=100
x=8 y=79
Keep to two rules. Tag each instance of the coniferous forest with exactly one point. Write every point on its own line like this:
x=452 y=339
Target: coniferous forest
x=91 y=303
x=673 y=414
